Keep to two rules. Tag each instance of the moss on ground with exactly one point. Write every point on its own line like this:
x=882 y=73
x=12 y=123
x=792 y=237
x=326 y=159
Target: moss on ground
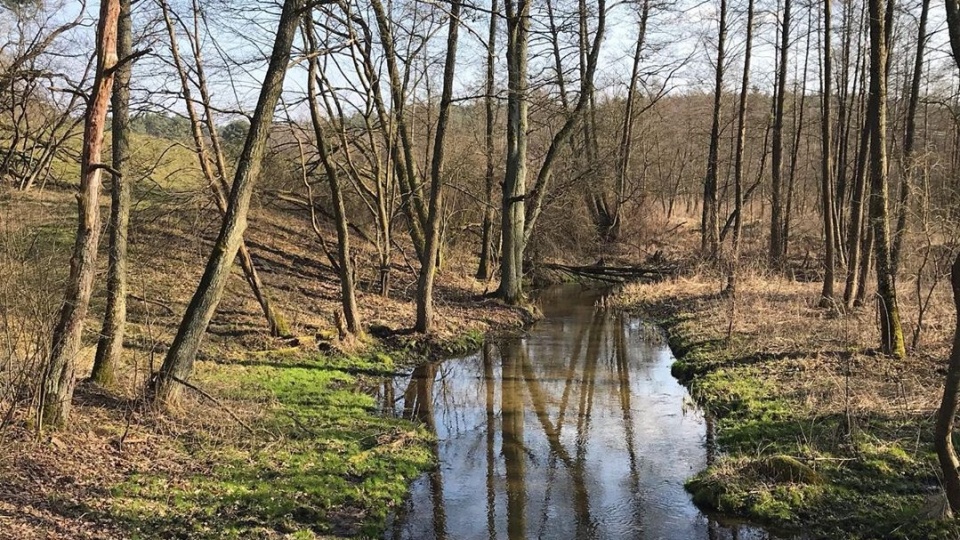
x=788 y=457
x=323 y=461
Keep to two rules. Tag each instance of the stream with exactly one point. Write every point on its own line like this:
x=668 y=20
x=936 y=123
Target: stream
x=575 y=430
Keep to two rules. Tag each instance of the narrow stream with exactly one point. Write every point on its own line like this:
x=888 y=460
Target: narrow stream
x=576 y=430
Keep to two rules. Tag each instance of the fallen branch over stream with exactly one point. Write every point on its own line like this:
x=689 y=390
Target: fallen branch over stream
x=615 y=274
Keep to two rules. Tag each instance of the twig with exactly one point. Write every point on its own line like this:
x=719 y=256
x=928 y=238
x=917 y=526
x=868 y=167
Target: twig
x=166 y=308
x=215 y=402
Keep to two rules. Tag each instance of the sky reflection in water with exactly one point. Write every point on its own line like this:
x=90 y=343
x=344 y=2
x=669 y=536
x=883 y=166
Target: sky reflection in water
x=577 y=430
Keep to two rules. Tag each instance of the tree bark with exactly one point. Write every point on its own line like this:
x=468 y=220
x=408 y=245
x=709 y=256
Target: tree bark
x=60 y=374
x=776 y=251
x=891 y=333
x=943 y=439
x=710 y=222
x=428 y=266
x=110 y=342
x=826 y=162
x=178 y=363
x=345 y=269
x=487 y=247
x=514 y=181
x=950 y=403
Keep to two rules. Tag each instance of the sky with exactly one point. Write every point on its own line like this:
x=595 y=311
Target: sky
x=682 y=37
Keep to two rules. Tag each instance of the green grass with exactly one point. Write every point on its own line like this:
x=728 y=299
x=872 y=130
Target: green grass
x=326 y=464
x=785 y=466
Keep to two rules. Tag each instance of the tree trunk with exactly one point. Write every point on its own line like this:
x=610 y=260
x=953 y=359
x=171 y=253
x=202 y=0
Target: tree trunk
x=345 y=269
x=60 y=374
x=826 y=163
x=626 y=137
x=776 y=208
x=412 y=192
x=710 y=222
x=487 y=247
x=217 y=180
x=428 y=266
x=908 y=168
x=110 y=342
x=891 y=333
x=950 y=403
x=514 y=181
x=178 y=363
x=741 y=146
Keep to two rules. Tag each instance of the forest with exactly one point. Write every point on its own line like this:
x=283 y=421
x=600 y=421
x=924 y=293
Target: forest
x=333 y=269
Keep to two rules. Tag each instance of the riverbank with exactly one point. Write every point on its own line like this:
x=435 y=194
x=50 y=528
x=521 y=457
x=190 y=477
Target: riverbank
x=281 y=437
x=815 y=431
x=295 y=445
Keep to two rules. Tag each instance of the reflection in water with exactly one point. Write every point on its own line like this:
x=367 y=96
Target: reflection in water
x=577 y=430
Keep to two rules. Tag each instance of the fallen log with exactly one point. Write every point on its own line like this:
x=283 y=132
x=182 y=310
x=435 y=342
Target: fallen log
x=615 y=274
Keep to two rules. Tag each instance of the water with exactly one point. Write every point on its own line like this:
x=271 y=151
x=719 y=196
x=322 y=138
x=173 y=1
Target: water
x=576 y=430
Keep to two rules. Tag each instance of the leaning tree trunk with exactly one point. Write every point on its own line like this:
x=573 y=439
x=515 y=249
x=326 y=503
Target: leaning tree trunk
x=60 y=374
x=110 y=343
x=949 y=404
x=178 y=363
x=348 y=289
x=943 y=439
x=428 y=266
x=216 y=180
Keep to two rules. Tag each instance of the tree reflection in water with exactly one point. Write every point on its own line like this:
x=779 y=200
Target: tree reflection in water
x=576 y=430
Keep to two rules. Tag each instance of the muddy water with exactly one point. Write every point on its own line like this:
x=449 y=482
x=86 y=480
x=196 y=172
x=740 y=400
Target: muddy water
x=576 y=430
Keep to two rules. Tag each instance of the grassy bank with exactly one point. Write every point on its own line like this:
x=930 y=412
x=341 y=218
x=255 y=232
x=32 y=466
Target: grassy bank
x=280 y=438
x=815 y=431
x=319 y=459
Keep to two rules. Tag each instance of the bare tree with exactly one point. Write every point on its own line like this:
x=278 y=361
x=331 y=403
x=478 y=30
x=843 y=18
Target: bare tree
x=428 y=264
x=487 y=246
x=348 y=294
x=110 y=342
x=178 y=364
x=60 y=375
x=777 y=242
x=515 y=178
x=710 y=222
x=891 y=333
x=826 y=160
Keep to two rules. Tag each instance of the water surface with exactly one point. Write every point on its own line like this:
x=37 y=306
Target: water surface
x=575 y=430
